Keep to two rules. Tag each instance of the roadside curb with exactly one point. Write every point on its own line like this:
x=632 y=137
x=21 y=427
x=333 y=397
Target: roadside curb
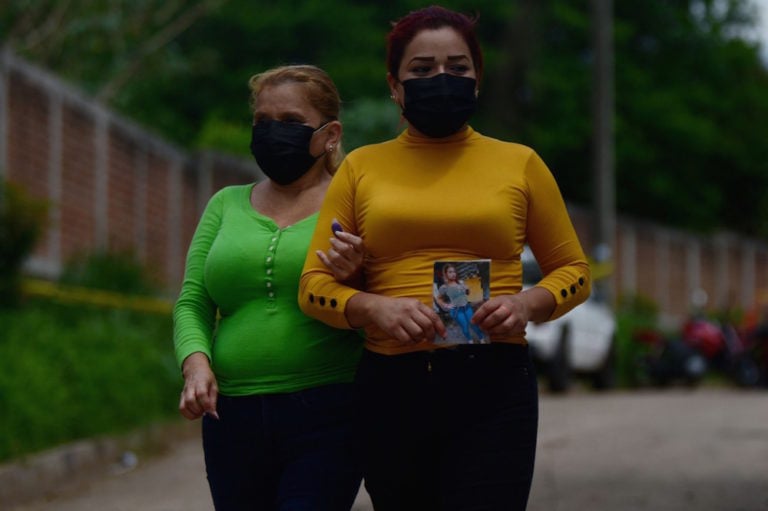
x=44 y=474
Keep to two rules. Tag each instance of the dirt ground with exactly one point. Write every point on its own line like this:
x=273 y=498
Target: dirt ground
x=704 y=450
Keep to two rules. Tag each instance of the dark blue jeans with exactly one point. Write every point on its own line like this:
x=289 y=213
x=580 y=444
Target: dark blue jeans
x=448 y=430
x=294 y=451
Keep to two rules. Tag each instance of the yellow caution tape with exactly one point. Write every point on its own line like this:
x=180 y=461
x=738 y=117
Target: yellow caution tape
x=74 y=294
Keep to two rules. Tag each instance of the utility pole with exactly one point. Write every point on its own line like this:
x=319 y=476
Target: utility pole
x=604 y=182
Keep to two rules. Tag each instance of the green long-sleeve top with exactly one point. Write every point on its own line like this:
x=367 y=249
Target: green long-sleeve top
x=416 y=200
x=243 y=266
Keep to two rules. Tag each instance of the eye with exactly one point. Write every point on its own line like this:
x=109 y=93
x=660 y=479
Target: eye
x=292 y=119
x=421 y=69
x=459 y=69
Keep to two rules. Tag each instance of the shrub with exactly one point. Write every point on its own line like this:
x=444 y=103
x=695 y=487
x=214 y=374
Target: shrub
x=22 y=220
x=119 y=271
x=634 y=313
x=70 y=372
x=369 y=120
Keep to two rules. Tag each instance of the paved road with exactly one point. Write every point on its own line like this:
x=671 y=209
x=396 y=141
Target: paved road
x=705 y=450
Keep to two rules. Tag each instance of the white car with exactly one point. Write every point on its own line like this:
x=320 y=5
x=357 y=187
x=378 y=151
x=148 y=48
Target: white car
x=582 y=342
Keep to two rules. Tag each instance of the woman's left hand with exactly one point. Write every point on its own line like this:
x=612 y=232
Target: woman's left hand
x=345 y=257
x=503 y=315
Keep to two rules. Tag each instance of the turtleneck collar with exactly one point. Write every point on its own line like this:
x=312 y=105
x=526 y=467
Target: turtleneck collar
x=460 y=136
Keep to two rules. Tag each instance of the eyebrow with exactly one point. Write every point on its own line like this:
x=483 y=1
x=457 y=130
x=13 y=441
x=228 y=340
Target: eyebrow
x=432 y=59
x=282 y=115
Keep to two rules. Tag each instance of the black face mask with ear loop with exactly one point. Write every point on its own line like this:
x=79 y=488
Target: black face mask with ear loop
x=282 y=149
x=440 y=105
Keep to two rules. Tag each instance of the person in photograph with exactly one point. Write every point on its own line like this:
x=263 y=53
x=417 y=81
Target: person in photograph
x=453 y=296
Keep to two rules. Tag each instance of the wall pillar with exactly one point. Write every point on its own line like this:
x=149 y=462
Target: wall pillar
x=55 y=157
x=101 y=176
x=628 y=263
x=4 y=56
x=174 y=249
x=662 y=269
x=140 y=214
x=693 y=266
x=748 y=275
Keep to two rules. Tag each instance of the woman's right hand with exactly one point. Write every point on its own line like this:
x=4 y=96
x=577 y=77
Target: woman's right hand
x=406 y=319
x=200 y=388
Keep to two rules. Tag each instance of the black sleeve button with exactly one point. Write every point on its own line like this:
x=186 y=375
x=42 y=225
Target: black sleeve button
x=573 y=290
x=322 y=301
x=311 y=298
x=564 y=293
x=333 y=303
x=581 y=281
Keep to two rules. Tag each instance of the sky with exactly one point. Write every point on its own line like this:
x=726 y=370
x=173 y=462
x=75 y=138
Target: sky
x=762 y=27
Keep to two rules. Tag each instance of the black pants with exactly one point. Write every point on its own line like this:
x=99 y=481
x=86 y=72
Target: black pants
x=452 y=429
x=294 y=451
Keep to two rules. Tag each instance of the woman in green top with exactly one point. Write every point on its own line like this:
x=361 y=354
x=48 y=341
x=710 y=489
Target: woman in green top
x=272 y=385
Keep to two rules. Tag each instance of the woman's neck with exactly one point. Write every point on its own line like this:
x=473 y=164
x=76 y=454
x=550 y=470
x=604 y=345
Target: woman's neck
x=286 y=204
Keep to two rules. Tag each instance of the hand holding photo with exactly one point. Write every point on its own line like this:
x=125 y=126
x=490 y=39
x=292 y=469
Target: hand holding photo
x=459 y=287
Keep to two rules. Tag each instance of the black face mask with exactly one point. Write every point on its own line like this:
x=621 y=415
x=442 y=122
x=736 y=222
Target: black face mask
x=282 y=149
x=439 y=106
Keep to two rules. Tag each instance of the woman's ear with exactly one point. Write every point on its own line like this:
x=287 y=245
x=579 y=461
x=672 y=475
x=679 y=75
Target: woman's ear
x=392 y=81
x=334 y=131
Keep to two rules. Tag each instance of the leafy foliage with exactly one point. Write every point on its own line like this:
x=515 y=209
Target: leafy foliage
x=695 y=99
x=22 y=219
x=691 y=102
x=109 y=271
x=368 y=121
x=634 y=314
x=691 y=95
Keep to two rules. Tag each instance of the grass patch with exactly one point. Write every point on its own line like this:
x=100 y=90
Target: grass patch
x=69 y=372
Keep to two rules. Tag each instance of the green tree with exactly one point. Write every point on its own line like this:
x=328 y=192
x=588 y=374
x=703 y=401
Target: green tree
x=691 y=109
x=691 y=98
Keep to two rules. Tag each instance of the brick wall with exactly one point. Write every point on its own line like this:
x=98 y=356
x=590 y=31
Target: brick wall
x=669 y=266
x=111 y=184
x=117 y=186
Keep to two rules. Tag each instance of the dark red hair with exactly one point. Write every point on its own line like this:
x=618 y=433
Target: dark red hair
x=431 y=18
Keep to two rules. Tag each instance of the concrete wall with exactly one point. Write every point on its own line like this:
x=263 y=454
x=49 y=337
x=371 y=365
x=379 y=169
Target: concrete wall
x=115 y=185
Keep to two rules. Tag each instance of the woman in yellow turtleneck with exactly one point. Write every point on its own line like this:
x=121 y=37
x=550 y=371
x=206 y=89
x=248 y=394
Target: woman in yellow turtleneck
x=444 y=428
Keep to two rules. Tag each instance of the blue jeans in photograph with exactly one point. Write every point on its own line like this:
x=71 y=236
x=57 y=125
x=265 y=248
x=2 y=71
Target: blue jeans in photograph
x=463 y=316
x=284 y=452
x=452 y=429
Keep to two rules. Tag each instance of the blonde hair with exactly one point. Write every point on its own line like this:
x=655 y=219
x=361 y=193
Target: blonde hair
x=321 y=93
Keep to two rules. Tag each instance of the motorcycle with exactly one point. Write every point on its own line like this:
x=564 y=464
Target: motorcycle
x=757 y=343
x=724 y=348
x=668 y=360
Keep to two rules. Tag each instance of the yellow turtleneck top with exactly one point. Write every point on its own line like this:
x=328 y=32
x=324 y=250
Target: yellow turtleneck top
x=416 y=200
